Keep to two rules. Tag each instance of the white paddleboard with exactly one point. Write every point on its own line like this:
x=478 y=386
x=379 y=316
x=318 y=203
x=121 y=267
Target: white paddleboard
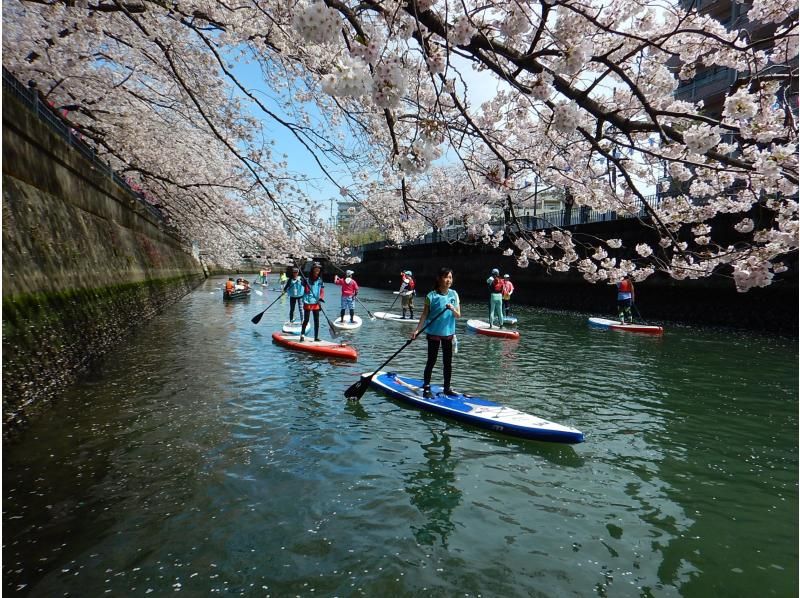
x=347 y=324
x=382 y=315
x=292 y=328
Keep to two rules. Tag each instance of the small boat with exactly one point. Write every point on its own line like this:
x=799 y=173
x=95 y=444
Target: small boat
x=326 y=348
x=382 y=315
x=235 y=294
x=292 y=327
x=617 y=325
x=482 y=327
x=474 y=410
x=347 y=324
x=509 y=320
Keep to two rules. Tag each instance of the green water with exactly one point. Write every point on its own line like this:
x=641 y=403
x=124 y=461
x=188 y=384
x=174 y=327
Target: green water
x=201 y=458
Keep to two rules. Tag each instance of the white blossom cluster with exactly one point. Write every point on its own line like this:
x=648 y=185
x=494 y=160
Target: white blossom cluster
x=317 y=23
x=577 y=95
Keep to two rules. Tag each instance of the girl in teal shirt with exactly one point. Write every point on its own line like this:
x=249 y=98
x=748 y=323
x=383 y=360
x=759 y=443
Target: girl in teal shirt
x=440 y=329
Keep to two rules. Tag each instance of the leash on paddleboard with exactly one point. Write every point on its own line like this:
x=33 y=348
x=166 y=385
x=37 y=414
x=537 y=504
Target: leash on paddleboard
x=357 y=390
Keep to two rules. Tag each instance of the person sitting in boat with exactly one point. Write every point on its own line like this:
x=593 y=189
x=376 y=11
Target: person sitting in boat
x=294 y=288
x=349 y=293
x=313 y=296
x=239 y=285
x=508 y=289
x=496 y=285
x=407 y=291
x=229 y=286
x=438 y=319
x=625 y=298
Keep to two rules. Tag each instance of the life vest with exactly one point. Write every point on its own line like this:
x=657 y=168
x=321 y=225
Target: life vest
x=229 y=285
x=497 y=285
x=624 y=286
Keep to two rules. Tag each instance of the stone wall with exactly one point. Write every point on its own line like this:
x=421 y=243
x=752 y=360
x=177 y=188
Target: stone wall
x=83 y=263
x=707 y=302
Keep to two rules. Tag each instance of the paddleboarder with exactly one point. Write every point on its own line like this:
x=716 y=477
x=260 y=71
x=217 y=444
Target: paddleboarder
x=496 y=285
x=625 y=298
x=349 y=293
x=294 y=288
x=407 y=291
x=314 y=294
x=508 y=290
x=440 y=330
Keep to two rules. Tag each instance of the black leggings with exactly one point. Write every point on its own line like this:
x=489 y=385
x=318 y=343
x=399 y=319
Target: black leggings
x=292 y=302
x=316 y=322
x=447 y=355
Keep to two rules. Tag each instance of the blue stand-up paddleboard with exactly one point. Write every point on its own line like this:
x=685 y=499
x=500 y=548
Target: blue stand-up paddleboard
x=474 y=410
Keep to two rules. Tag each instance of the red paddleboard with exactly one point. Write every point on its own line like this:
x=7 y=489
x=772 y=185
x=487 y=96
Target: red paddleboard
x=482 y=327
x=327 y=348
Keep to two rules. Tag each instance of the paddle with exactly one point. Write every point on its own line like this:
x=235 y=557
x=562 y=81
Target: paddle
x=257 y=318
x=371 y=317
x=393 y=302
x=334 y=334
x=357 y=390
x=639 y=314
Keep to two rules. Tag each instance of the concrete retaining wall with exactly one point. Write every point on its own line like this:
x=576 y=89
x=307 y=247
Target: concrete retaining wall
x=708 y=302
x=83 y=263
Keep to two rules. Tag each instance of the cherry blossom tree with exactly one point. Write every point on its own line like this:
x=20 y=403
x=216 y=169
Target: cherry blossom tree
x=383 y=91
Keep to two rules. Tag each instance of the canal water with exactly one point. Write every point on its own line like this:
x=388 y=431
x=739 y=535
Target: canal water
x=201 y=458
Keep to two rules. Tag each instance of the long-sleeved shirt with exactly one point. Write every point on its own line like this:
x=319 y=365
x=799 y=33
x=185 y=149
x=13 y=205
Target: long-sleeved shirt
x=349 y=289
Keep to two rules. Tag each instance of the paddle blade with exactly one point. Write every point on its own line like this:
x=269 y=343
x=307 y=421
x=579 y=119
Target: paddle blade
x=257 y=318
x=357 y=390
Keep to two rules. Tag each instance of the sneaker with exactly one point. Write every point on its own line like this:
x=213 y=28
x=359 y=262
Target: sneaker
x=426 y=392
x=450 y=392
x=317 y=339
x=302 y=338
x=352 y=321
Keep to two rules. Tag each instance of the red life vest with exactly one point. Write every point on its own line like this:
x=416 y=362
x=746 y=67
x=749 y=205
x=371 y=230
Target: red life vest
x=497 y=285
x=624 y=286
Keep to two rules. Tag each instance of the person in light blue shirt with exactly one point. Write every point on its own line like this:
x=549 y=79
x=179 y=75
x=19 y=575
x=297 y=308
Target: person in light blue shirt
x=438 y=319
x=294 y=286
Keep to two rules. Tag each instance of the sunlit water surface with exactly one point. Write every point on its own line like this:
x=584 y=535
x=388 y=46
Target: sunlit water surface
x=202 y=458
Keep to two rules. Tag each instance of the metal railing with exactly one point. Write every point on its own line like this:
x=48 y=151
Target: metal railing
x=30 y=98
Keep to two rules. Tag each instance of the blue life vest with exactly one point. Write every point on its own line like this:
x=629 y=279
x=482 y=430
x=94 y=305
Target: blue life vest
x=445 y=325
x=313 y=291
x=295 y=287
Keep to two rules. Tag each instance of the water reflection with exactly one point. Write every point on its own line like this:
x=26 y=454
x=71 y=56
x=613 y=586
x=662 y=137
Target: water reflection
x=434 y=490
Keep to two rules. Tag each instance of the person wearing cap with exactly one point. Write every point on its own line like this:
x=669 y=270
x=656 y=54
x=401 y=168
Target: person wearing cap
x=294 y=288
x=349 y=293
x=508 y=289
x=495 y=284
x=407 y=290
x=313 y=296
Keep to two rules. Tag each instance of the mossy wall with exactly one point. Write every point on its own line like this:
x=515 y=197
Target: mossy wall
x=84 y=262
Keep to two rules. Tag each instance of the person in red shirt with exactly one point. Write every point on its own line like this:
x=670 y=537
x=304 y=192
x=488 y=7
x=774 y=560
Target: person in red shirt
x=349 y=293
